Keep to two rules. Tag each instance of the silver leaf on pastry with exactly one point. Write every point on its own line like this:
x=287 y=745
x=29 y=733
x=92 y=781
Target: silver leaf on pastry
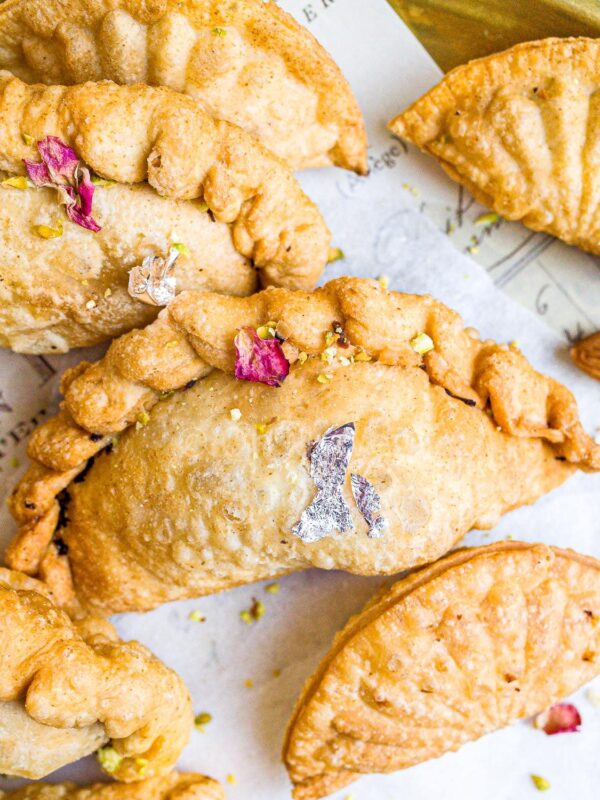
x=369 y=505
x=151 y=282
x=328 y=512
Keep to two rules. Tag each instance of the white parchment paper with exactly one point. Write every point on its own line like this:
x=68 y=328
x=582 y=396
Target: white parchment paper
x=248 y=677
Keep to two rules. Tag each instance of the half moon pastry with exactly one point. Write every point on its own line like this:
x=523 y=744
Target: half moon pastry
x=521 y=130
x=245 y=61
x=463 y=647
x=68 y=688
x=366 y=431
x=175 y=786
x=179 y=178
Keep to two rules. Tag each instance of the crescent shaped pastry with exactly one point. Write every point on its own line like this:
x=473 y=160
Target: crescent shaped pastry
x=181 y=178
x=463 y=647
x=216 y=481
x=175 y=786
x=68 y=688
x=245 y=61
x=521 y=130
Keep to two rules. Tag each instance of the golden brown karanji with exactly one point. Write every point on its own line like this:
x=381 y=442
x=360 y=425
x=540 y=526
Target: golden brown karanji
x=174 y=786
x=96 y=178
x=463 y=647
x=521 y=130
x=245 y=61
x=69 y=688
x=237 y=439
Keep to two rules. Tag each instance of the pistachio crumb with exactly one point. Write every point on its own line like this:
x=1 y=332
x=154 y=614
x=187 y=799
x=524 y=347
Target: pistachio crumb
x=541 y=784
x=143 y=418
x=14 y=462
x=302 y=358
x=219 y=32
x=335 y=254
x=273 y=588
x=142 y=766
x=196 y=616
x=235 y=414
x=181 y=248
x=16 y=182
x=384 y=281
x=422 y=343
x=90 y=304
x=109 y=759
x=46 y=232
x=231 y=779
x=248 y=683
x=201 y=720
x=322 y=378
x=29 y=140
x=362 y=356
x=514 y=345
x=487 y=219
x=245 y=616
x=261 y=428
x=276 y=673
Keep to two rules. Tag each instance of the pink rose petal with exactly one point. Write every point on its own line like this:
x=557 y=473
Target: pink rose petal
x=560 y=718
x=259 y=360
x=38 y=172
x=86 y=192
x=61 y=160
x=76 y=215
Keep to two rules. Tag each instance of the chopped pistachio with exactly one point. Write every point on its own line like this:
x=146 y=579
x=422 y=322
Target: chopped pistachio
x=384 y=281
x=196 y=616
x=142 y=766
x=46 y=232
x=267 y=331
x=276 y=673
x=487 y=219
x=245 y=616
x=335 y=254
x=514 y=345
x=302 y=358
x=108 y=293
x=331 y=338
x=261 y=428
x=181 y=248
x=541 y=784
x=235 y=414
x=329 y=354
x=362 y=356
x=273 y=588
x=14 y=462
x=143 y=418
x=248 y=683
x=109 y=759
x=231 y=779
x=85 y=282
x=16 y=182
x=258 y=610
x=201 y=205
x=202 y=719
x=322 y=378
x=422 y=343
x=29 y=140
x=90 y=304
x=102 y=182
x=219 y=32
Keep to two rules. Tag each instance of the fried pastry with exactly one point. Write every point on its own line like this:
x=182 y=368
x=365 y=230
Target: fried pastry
x=175 y=786
x=463 y=647
x=521 y=130
x=69 y=688
x=245 y=61
x=233 y=211
x=236 y=439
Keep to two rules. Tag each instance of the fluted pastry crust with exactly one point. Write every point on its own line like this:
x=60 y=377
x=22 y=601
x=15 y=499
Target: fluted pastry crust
x=263 y=218
x=69 y=687
x=521 y=130
x=466 y=646
x=175 y=786
x=451 y=446
x=245 y=61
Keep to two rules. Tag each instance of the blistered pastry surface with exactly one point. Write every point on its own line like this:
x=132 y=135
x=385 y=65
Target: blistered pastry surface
x=247 y=62
x=468 y=645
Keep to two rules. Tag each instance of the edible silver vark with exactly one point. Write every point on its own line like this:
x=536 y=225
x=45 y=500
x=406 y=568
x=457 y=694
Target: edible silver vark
x=151 y=282
x=328 y=512
x=369 y=505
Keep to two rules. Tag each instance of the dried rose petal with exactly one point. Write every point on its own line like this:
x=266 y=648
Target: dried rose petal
x=86 y=192
x=560 y=718
x=259 y=360
x=60 y=169
x=38 y=172
x=60 y=159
